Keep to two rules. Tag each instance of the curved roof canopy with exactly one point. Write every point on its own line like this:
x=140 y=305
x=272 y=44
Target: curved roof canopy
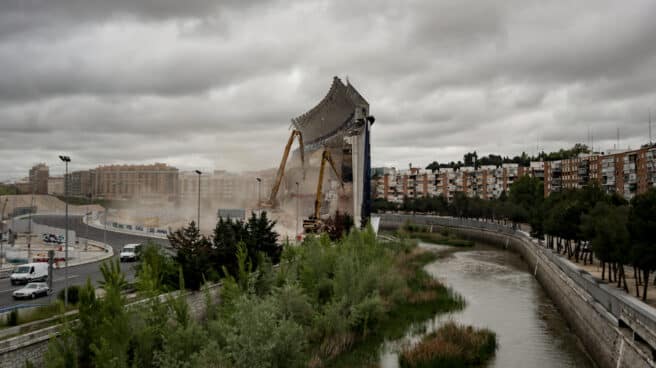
x=336 y=114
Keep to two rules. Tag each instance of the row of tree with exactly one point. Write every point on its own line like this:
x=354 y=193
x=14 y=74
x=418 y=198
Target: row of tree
x=472 y=158
x=208 y=258
x=585 y=224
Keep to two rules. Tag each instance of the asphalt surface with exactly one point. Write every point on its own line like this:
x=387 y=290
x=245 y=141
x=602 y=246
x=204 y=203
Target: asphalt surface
x=77 y=275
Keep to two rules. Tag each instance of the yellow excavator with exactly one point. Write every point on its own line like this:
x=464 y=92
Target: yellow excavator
x=314 y=224
x=272 y=201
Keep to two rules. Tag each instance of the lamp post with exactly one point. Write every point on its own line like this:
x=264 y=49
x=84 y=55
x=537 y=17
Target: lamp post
x=66 y=160
x=2 y=240
x=298 y=199
x=259 y=197
x=198 y=217
x=29 y=223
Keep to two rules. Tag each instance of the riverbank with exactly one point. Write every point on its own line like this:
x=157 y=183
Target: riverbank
x=429 y=234
x=616 y=329
x=425 y=298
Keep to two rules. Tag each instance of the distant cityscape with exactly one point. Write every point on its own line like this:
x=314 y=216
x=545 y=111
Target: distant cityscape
x=156 y=182
x=626 y=173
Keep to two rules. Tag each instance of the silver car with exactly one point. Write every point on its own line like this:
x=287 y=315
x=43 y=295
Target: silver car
x=32 y=290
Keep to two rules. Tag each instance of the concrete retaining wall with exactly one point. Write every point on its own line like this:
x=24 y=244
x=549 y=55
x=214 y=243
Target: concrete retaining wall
x=616 y=329
x=14 y=352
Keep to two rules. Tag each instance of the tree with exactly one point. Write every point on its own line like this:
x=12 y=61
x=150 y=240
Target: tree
x=262 y=238
x=433 y=166
x=226 y=235
x=470 y=158
x=642 y=227
x=606 y=227
x=194 y=255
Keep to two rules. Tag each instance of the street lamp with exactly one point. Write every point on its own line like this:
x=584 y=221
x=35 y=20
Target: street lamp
x=2 y=219
x=198 y=217
x=298 y=198
x=259 y=197
x=66 y=160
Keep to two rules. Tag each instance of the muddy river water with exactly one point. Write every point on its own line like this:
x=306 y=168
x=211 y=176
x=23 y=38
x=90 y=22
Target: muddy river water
x=502 y=295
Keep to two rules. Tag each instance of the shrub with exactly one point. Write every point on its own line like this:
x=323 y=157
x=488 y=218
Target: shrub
x=452 y=345
x=12 y=318
x=73 y=294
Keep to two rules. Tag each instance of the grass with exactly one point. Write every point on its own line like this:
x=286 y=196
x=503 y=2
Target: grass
x=451 y=346
x=437 y=238
x=424 y=298
x=48 y=315
x=426 y=234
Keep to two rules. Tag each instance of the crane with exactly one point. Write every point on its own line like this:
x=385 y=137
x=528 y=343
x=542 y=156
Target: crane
x=313 y=224
x=281 y=169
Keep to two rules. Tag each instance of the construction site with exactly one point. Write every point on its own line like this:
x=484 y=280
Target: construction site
x=329 y=170
x=324 y=169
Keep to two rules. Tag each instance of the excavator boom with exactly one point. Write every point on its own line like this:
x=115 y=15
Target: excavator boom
x=283 y=163
x=313 y=224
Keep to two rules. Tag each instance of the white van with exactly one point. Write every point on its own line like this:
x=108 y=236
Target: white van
x=130 y=252
x=29 y=272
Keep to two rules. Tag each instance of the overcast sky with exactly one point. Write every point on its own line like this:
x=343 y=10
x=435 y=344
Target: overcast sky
x=213 y=84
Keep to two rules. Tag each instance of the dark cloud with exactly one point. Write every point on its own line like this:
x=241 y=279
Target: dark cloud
x=212 y=84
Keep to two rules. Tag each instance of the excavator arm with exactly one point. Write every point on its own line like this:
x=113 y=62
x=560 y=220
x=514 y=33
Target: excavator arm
x=325 y=157
x=283 y=163
x=313 y=224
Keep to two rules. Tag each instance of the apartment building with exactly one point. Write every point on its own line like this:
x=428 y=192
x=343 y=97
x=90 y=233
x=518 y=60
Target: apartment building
x=222 y=188
x=38 y=179
x=156 y=181
x=626 y=173
x=484 y=182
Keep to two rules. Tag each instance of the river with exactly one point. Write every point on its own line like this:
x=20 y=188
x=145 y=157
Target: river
x=502 y=295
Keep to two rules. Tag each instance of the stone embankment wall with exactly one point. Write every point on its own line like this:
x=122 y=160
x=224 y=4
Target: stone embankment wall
x=616 y=329
x=16 y=351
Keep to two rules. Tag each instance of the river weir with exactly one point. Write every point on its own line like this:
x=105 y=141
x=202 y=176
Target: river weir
x=501 y=294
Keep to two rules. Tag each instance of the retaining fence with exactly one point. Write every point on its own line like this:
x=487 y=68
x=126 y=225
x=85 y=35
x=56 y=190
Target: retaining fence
x=32 y=346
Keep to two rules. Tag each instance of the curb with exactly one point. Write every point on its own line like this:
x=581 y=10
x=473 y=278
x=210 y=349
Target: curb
x=122 y=231
x=109 y=253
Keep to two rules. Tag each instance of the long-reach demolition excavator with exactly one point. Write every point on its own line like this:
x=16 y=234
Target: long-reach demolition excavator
x=272 y=202
x=314 y=224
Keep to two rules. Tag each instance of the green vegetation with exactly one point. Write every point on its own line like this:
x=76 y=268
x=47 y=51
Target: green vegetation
x=516 y=208
x=73 y=294
x=472 y=159
x=209 y=258
x=16 y=318
x=583 y=224
x=451 y=346
x=324 y=300
x=8 y=189
x=444 y=237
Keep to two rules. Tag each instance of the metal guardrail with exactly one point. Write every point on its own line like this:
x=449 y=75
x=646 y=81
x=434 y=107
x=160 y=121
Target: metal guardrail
x=625 y=308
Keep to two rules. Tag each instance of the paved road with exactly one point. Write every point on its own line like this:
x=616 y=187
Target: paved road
x=77 y=275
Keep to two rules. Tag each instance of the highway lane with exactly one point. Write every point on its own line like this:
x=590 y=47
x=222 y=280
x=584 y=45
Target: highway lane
x=77 y=275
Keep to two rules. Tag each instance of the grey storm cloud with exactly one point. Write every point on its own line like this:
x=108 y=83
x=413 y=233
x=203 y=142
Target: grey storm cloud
x=214 y=84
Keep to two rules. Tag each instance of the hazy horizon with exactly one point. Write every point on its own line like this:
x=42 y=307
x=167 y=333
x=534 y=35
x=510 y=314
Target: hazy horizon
x=206 y=85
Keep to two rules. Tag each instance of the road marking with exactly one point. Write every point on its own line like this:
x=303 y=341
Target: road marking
x=8 y=290
x=63 y=278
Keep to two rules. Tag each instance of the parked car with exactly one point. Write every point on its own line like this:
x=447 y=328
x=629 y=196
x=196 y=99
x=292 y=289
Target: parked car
x=130 y=252
x=29 y=272
x=32 y=291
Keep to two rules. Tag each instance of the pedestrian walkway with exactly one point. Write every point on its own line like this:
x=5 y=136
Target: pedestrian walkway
x=595 y=271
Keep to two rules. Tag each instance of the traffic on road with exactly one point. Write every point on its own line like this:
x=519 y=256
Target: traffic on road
x=77 y=275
